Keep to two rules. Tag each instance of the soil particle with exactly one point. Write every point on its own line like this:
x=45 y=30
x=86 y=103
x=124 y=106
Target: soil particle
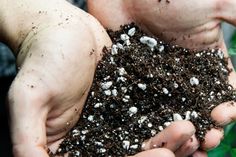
x=140 y=87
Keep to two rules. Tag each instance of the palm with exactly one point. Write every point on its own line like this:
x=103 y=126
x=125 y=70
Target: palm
x=57 y=65
x=193 y=24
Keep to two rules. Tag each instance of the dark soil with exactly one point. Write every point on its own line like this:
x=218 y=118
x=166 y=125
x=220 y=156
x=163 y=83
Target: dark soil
x=142 y=85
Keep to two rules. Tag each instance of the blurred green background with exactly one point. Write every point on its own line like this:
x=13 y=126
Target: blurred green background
x=227 y=147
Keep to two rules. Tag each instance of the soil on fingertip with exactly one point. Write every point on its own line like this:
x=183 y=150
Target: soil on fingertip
x=141 y=86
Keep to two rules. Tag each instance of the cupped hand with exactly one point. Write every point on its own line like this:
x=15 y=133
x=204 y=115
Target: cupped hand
x=57 y=51
x=193 y=24
x=57 y=60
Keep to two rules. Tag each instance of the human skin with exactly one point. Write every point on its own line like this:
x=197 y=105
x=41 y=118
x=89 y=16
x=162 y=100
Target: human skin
x=57 y=47
x=192 y=24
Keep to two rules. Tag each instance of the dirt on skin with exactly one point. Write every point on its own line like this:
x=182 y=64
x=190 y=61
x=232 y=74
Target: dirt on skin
x=140 y=87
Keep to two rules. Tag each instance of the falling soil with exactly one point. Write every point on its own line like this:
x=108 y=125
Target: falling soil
x=141 y=86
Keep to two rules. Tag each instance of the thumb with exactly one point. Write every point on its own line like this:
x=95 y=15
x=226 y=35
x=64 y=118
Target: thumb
x=160 y=152
x=27 y=118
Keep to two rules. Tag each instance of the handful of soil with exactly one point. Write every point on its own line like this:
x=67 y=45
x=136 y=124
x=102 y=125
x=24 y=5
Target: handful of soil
x=140 y=87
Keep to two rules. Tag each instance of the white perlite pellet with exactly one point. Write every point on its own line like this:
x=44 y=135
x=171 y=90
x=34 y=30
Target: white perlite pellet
x=112 y=60
x=122 y=71
x=142 y=119
x=102 y=150
x=124 y=37
x=142 y=86
x=126 y=144
x=59 y=150
x=150 y=75
x=77 y=153
x=107 y=92
x=106 y=85
x=106 y=78
x=177 y=60
x=120 y=46
x=114 y=92
x=91 y=118
x=161 y=48
x=149 y=125
x=132 y=31
x=92 y=94
x=98 y=143
x=194 y=114
x=82 y=137
x=127 y=42
x=220 y=54
x=97 y=105
x=124 y=89
x=133 y=110
x=123 y=79
x=84 y=131
x=165 y=91
x=75 y=132
x=114 y=50
x=135 y=146
x=126 y=98
x=187 y=115
x=167 y=124
x=177 y=117
x=151 y=42
x=176 y=85
x=160 y=128
x=194 y=81
x=153 y=132
x=198 y=54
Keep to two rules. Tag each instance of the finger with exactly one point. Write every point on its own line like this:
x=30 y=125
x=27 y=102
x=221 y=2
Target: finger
x=212 y=139
x=188 y=148
x=172 y=137
x=200 y=154
x=54 y=146
x=27 y=122
x=224 y=113
x=160 y=152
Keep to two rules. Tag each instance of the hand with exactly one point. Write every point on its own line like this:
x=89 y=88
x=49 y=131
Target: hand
x=193 y=24
x=57 y=60
x=60 y=46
